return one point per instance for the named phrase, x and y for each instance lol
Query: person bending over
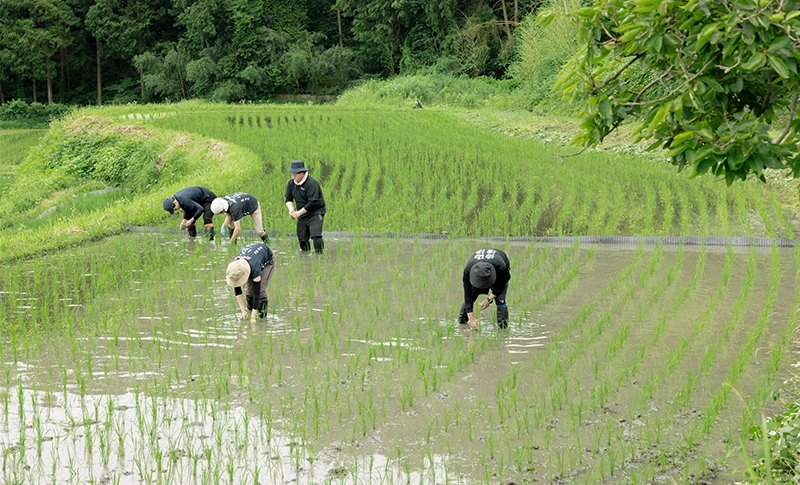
(195, 201)
(236, 206)
(252, 269)
(487, 272)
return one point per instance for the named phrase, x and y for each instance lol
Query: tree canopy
(715, 82)
(231, 50)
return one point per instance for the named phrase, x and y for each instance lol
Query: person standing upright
(195, 201)
(236, 206)
(305, 191)
(487, 272)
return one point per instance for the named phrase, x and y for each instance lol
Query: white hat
(218, 205)
(237, 273)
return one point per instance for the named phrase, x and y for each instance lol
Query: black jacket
(192, 199)
(308, 196)
(502, 268)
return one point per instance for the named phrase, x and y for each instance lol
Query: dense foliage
(31, 114)
(778, 460)
(720, 74)
(81, 51)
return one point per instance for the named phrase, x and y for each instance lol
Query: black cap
(482, 275)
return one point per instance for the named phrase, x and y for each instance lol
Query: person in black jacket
(195, 201)
(303, 190)
(252, 269)
(487, 272)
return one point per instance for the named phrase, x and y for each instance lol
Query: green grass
(15, 147)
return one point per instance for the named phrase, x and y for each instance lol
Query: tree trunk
(69, 87)
(516, 12)
(49, 82)
(99, 81)
(505, 18)
(339, 19)
(62, 61)
(2, 96)
(141, 82)
(34, 90)
(183, 87)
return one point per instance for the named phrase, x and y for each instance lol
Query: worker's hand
(243, 316)
(473, 324)
(485, 304)
(295, 214)
(183, 224)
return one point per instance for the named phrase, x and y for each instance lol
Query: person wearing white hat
(252, 269)
(236, 206)
(487, 272)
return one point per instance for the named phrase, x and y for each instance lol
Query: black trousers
(310, 228)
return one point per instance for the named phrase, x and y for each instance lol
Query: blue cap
(169, 205)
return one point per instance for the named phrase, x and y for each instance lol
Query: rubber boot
(502, 316)
(462, 315)
(305, 246)
(210, 232)
(319, 245)
(262, 311)
(192, 230)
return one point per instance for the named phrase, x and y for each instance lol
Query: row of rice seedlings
(631, 451)
(686, 447)
(579, 409)
(524, 416)
(320, 381)
(16, 144)
(776, 350)
(700, 427)
(381, 149)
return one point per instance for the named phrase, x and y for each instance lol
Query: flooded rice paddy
(124, 362)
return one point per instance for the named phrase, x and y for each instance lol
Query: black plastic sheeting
(627, 240)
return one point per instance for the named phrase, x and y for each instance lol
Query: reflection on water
(135, 438)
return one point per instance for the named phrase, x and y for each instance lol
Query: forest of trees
(119, 51)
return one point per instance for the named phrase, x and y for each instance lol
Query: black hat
(297, 166)
(169, 206)
(482, 275)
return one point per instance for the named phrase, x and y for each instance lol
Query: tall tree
(38, 29)
(121, 28)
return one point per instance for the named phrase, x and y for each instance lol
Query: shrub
(781, 446)
(229, 92)
(33, 114)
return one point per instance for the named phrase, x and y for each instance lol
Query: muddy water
(614, 368)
